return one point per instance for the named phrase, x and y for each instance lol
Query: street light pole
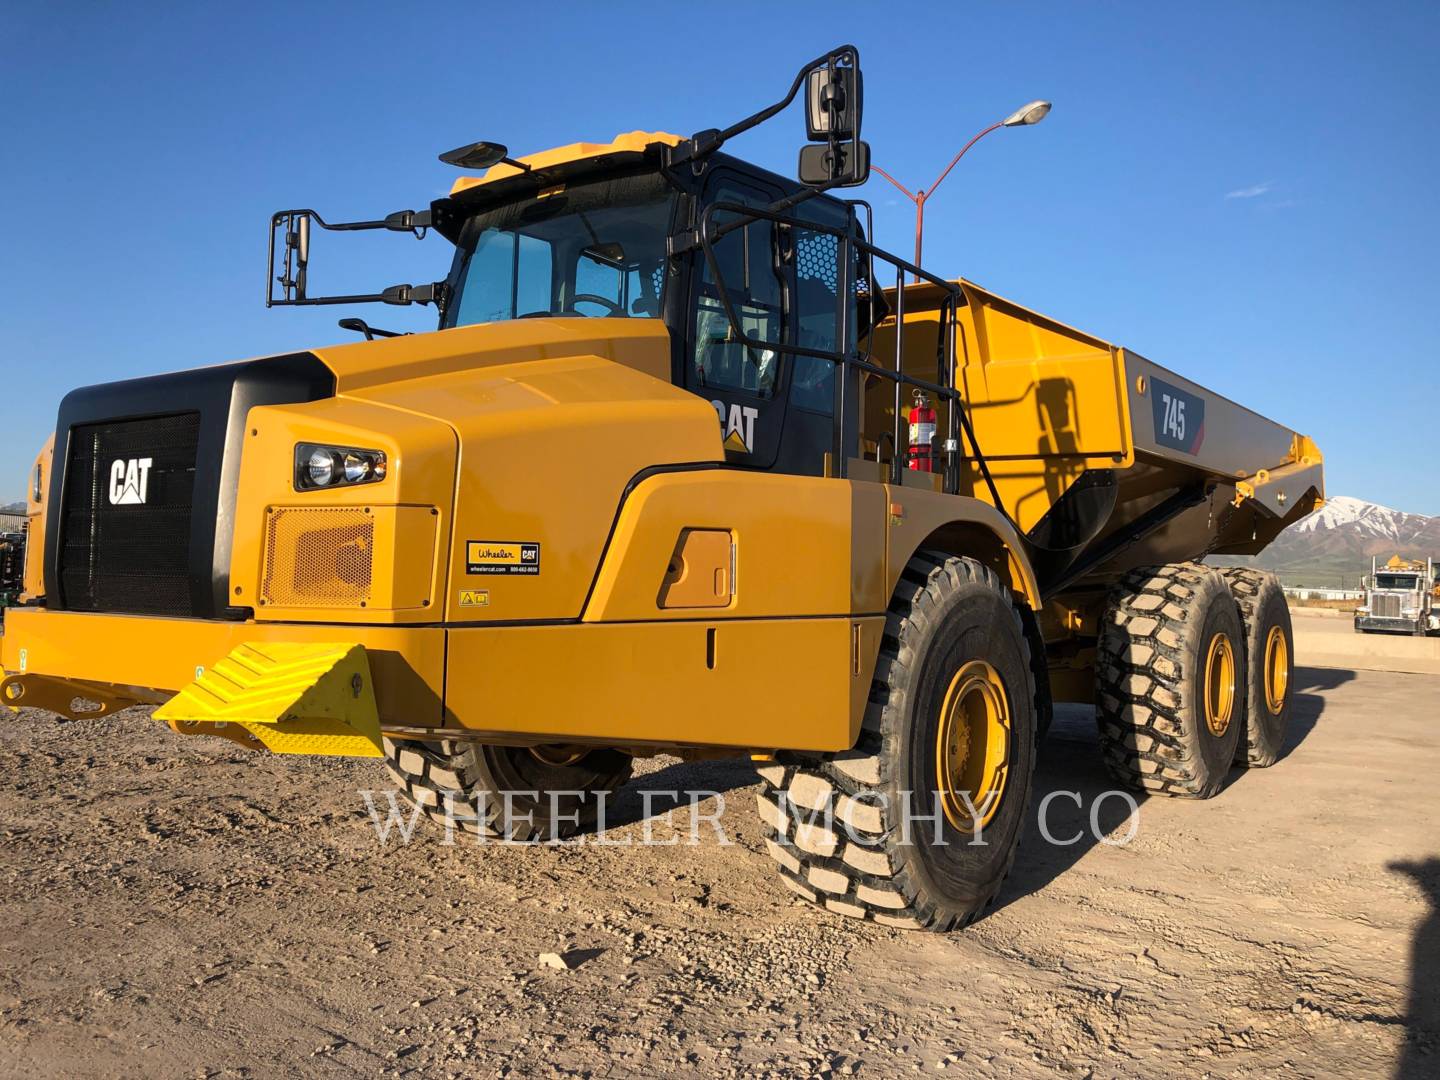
(1024, 116)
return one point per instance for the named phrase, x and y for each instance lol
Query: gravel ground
(177, 907)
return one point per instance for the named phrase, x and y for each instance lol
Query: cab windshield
(1408, 582)
(593, 249)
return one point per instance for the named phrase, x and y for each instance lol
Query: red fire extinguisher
(921, 454)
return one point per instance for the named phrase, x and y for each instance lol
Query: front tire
(884, 831)
(554, 792)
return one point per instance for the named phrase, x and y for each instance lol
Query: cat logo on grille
(129, 481)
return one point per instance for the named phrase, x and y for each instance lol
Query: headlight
(358, 468)
(319, 466)
(35, 484)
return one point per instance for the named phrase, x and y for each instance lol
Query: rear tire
(468, 782)
(1170, 670)
(1270, 660)
(952, 708)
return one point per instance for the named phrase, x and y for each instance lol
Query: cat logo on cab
(737, 426)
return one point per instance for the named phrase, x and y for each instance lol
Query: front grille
(1387, 607)
(125, 532)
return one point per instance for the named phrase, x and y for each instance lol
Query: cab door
(747, 385)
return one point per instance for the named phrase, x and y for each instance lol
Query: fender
(956, 525)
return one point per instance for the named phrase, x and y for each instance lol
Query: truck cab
(610, 232)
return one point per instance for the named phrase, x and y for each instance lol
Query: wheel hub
(972, 746)
(1277, 669)
(1219, 685)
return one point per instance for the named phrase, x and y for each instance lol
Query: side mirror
(290, 237)
(834, 97)
(834, 101)
(481, 155)
(299, 239)
(846, 164)
(294, 225)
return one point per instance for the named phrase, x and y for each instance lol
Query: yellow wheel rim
(1219, 685)
(1277, 669)
(972, 746)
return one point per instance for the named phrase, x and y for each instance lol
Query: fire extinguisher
(921, 454)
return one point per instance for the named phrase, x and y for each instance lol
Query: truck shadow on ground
(1074, 798)
(1420, 1056)
(1076, 802)
(1308, 686)
(655, 794)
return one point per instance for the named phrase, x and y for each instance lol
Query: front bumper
(1386, 622)
(139, 658)
(796, 683)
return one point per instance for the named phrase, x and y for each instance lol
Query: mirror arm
(704, 143)
(416, 221)
(437, 293)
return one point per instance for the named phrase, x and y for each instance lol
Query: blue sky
(1243, 192)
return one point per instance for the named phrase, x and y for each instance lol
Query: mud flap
(290, 697)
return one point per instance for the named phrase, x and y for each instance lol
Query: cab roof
(630, 142)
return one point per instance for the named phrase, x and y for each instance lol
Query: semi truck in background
(1400, 597)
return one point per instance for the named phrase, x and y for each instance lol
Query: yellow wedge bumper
(291, 697)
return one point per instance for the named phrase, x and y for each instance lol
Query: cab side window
(817, 313)
(747, 265)
(817, 266)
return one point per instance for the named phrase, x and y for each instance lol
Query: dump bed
(1105, 459)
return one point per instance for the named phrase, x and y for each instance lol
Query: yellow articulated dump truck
(689, 466)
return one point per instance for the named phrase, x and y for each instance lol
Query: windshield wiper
(360, 326)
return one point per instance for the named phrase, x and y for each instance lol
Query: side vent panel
(318, 557)
(348, 557)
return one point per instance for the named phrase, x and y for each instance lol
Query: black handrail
(957, 418)
(847, 356)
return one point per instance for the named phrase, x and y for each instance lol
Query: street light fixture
(1027, 114)
(1024, 116)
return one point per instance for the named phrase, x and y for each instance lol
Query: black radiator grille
(125, 537)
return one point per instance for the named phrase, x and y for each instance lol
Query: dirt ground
(175, 907)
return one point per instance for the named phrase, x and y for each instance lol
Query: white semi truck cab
(1399, 597)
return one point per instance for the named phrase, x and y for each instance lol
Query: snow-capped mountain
(1365, 519)
(1334, 545)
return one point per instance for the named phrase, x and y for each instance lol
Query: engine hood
(642, 344)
